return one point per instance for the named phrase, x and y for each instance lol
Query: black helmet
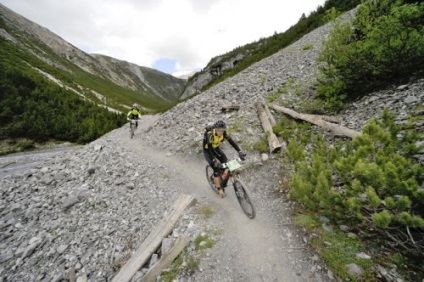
(220, 124)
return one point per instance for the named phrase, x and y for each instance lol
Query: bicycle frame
(233, 167)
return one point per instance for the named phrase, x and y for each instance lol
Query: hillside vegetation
(372, 185)
(53, 91)
(37, 109)
(385, 46)
(265, 47)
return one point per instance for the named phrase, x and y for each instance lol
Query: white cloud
(190, 32)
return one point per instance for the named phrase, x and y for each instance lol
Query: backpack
(207, 129)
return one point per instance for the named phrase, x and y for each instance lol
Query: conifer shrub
(383, 45)
(370, 183)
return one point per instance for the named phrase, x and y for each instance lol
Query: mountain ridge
(143, 83)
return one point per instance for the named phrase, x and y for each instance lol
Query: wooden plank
(166, 259)
(336, 129)
(153, 241)
(273, 142)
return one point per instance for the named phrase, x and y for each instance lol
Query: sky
(174, 36)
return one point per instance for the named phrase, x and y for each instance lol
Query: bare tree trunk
(273, 142)
(336, 129)
(334, 119)
(268, 113)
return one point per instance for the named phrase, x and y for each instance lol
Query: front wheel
(132, 129)
(244, 199)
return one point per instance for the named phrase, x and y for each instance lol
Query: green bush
(34, 108)
(384, 46)
(373, 182)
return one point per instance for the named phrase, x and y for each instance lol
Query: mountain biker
(134, 114)
(212, 152)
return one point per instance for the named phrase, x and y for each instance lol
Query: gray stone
(410, 100)
(264, 157)
(62, 248)
(154, 259)
(98, 147)
(354, 269)
(29, 250)
(166, 245)
(69, 202)
(363, 256)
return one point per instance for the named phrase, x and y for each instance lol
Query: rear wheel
(244, 198)
(209, 177)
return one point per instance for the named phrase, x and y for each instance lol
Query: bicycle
(230, 170)
(132, 126)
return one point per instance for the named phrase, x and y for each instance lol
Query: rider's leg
(216, 176)
(217, 181)
(223, 159)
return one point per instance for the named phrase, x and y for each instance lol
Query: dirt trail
(250, 250)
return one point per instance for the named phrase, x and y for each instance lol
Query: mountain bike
(230, 170)
(132, 126)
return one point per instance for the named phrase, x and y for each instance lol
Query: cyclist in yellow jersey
(134, 114)
(213, 153)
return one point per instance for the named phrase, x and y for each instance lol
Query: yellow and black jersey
(211, 141)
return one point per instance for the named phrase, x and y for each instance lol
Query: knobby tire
(244, 199)
(132, 129)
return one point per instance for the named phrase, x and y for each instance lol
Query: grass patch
(169, 276)
(308, 46)
(203, 241)
(186, 263)
(262, 144)
(15, 146)
(337, 249)
(205, 212)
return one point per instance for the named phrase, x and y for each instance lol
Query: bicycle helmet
(135, 106)
(220, 124)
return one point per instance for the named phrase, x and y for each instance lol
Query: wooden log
(166, 259)
(227, 108)
(336, 129)
(268, 113)
(273, 142)
(152, 242)
(334, 119)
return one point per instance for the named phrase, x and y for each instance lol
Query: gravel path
(267, 248)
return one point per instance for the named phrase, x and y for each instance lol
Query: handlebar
(225, 165)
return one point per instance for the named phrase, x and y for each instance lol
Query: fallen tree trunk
(228, 108)
(268, 113)
(273, 142)
(152, 242)
(334, 119)
(336, 129)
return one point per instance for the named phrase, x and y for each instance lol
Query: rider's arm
(232, 142)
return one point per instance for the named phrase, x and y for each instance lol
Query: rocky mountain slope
(80, 71)
(78, 214)
(286, 78)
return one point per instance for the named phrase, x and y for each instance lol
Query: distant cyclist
(212, 152)
(134, 114)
